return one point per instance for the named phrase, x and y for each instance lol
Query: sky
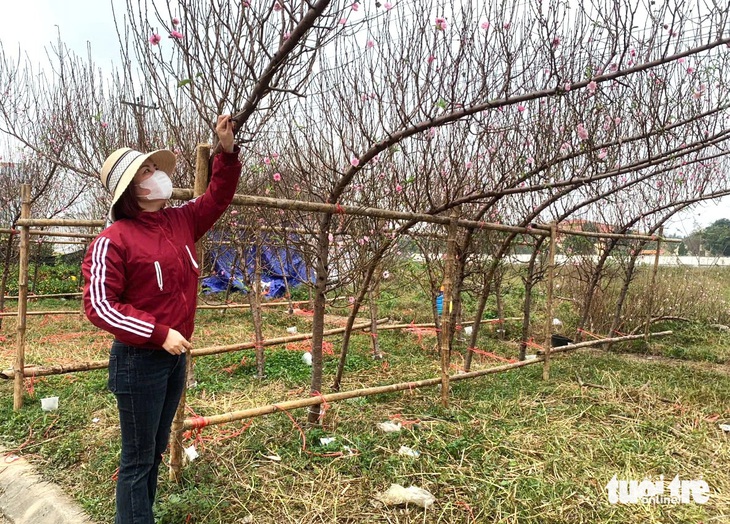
(82, 21)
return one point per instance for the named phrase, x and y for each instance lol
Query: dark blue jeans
(148, 384)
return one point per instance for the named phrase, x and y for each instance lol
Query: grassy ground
(508, 448)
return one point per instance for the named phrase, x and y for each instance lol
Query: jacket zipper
(158, 272)
(192, 259)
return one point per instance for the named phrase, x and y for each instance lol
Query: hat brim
(164, 159)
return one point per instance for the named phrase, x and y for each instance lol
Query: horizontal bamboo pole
(41, 371)
(199, 422)
(29, 313)
(40, 232)
(46, 296)
(320, 207)
(248, 306)
(214, 350)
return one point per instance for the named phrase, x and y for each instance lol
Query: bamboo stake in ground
(445, 338)
(22, 299)
(652, 288)
(549, 303)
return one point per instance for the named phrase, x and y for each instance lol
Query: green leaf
(441, 103)
(184, 82)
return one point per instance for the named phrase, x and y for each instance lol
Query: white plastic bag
(389, 427)
(397, 495)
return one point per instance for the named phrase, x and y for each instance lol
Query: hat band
(120, 166)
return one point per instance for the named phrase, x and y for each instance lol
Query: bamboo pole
(102, 364)
(320, 207)
(248, 306)
(448, 291)
(22, 299)
(49, 295)
(213, 420)
(40, 371)
(32, 313)
(40, 232)
(549, 303)
(652, 288)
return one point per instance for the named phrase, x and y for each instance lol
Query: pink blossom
(617, 120)
(681, 60)
(484, 25)
(521, 108)
(690, 70)
(355, 161)
(286, 35)
(267, 160)
(430, 58)
(234, 212)
(331, 237)
(468, 164)
(175, 21)
(582, 132)
(602, 153)
(567, 86)
(592, 86)
(275, 156)
(246, 3)
(355, 6)
(342, 21)
(556, 42)
(398, 188)
(507, 25)
(176, 34)
(278, 6)
(370, 44)
(565, 147)
(440, 23)
(297, 187)
(105, 124)
(155, 39)
(277, 177)
(351, 300)
(388, 6)
(530, 161)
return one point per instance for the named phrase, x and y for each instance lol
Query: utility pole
(139, 107)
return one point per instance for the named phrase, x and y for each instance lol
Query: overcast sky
(82, 21)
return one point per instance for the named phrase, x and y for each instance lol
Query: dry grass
(509, 448)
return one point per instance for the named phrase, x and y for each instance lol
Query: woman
(141, 285)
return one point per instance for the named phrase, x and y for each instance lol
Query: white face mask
(159, 185)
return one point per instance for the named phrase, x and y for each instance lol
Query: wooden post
(19, 377)
(652, 288)
(202, 176)
(549, 303)
(445, 339)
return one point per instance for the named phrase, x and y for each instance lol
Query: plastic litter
(95, 420)
(468, 330)
(275, 458)
(389, 427)
(49, 404)
(291, 330)
(530, 357)
(724, 427)
(557, 322)
(191, 453)
(409, 452)
(397, 495)
(307, 358)
(326, 440)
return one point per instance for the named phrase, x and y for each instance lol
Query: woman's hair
(127, 205)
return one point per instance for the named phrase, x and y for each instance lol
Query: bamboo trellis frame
(25, 223)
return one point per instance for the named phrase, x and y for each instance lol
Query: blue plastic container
(440, 303)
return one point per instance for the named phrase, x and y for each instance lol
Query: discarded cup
(49, 404)
(291, 330)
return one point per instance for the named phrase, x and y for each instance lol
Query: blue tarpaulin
(276, 263)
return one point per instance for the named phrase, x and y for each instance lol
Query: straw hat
(120, 167)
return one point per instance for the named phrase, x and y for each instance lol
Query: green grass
(508, 448)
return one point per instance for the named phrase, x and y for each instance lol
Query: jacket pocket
(158, 275)
(191, 257)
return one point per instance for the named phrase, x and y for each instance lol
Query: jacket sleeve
(105, 281)
(205, 210)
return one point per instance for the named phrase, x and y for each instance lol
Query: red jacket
(142, 275)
